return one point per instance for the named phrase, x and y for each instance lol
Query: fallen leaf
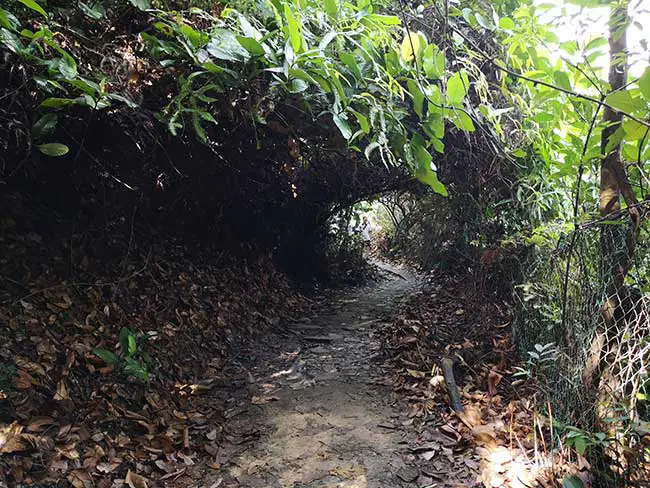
(408, 473)
(30, 367)
(107, 467)
(24, 380)
(37, 423)
(349, 471)
(135, 480)
(10, 439)
(42, 443)
(80, 478)
(255, 400)
(61, 391)
(494, 379)
(162, 465)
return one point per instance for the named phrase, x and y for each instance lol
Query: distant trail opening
(322, 414)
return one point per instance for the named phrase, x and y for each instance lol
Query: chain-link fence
(588, 301)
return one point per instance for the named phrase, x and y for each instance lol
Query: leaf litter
(66, 413)
(492, 442)
(69, 414)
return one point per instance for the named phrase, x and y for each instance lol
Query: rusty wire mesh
(598, 381)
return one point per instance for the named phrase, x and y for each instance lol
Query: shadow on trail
(322, 413)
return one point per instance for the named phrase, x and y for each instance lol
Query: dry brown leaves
(66, 414)
(493, 442)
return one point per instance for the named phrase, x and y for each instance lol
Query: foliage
(438, 90)
(562, 88)
(388, 89)
(132, 359)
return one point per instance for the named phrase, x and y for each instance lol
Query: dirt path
(322, 415)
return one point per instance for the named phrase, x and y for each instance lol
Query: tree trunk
(617, 244)
(616, 252)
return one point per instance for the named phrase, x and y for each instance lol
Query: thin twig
(576, 204)
(616, 214)
(62, 286)
(489, 58)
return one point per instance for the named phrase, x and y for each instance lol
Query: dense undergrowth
(161, 162)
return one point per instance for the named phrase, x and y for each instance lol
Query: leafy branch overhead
(389, 91)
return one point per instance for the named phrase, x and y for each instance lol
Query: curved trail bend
(322, 414)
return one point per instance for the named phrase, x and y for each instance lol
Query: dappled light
(318, 244)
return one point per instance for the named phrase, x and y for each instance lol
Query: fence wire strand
(599, 381)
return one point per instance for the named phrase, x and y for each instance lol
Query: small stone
(408, 473)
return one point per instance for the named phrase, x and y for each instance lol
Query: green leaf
(562, 79)
(34, 6)
(44, 126)
(251, 45)
(295, 34)
(343, 125)
(327, 38)
(436, 124)
(106, 355)
(95, 10)
(569, 46)
(127, 342)
(644, 84)
(633, 130)
(385, 19)
(457, 87)
(590, 3)
(87, 86)
(141, 4)
(622, 100)
(572, 481)
(418, 97)
(8, 20)
(506, 23)
(331, 8)
(469, 16)
(362, 120)
(297, 85)
(67, 67)
(596, 43)
(349, 61)
(128, 102)
(615, 139)
(483, 22)
(198, 128)
(439, 146)
(225, 46)
(248, 29)
(433, 62)
(11, 41)
(423, 172)
(580, 444)
(544, 117)
(463, 121)
(57, 102)
(134, 368)
(53, 149)
(551, 37)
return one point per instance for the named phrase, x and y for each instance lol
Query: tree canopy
(512, 132)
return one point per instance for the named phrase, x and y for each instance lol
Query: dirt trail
(322, 415)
